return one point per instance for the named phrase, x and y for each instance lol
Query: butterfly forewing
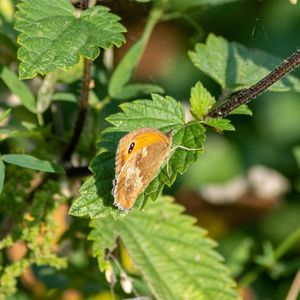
(140, 155)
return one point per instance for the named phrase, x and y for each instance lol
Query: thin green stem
(287, 244)
(282, 249)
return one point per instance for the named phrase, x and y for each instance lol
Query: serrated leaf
(91, 204)
(235, 67)
(4, 115)
(175, 258)
(201, 101)
(242, 110)
(220, 124)
(180, 5)
(2, 174)
(31, 162)
(17, 87)
(162, 113)
(54, 34)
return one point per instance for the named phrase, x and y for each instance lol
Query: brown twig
(66, 156)
(250, 93)
(82, 112)
(295, 288)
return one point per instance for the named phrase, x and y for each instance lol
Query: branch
(253, 91)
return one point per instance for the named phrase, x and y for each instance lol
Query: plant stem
(295, 288)
(246, 95)
(283, 248)
(82, 112)
(287, 244)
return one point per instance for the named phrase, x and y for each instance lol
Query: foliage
(162, 113)
(235, 67)
(155, 250)
(53, 35)
(176, 262)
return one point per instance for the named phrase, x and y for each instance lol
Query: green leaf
(67, 97)
(137, 89)
(242, 110)
(118, 86)
(220, 124)
(31, 162)
(125, 68)
(235, 67)
(5, 115)
(174, 256)
(201, 101)
(162, 113)
(240, 256)
(54, 34)
(180, 5)
(18, 88)
(2, 174)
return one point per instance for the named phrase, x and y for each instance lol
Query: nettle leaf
(162, 113)
(235, 67)
(175, 258)
(220, 124)
(201, 101)
(31, 162)
(242, 110)
(54, 34)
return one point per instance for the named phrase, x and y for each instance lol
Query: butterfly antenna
(187, 149)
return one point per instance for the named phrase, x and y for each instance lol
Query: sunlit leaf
(242, 110)
(220, 124)
(176, 259)
(31, 162)
(201, 101)
(54, 34)
(235, 67)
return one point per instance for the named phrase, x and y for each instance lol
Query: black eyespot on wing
(131, 147)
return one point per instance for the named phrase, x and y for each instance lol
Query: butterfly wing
(137, 170)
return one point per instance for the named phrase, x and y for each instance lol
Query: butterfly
(140, 154)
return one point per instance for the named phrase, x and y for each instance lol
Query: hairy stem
(253, 91)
